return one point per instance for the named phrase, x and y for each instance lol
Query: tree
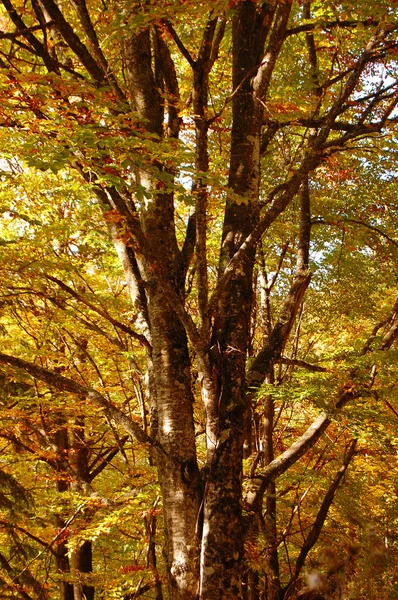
(118, 93)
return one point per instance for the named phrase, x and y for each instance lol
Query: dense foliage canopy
(198, 293)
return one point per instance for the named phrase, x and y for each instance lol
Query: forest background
(198, 299)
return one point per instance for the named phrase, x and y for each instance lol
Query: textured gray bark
(170, 384)
(222, 542)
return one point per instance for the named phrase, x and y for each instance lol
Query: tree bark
(172, 414)
(61, 548)
(222, 542)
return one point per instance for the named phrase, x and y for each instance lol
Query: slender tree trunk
(61, 549)
(85, 565)
(63, 567)
(273, 579)
(82, 563)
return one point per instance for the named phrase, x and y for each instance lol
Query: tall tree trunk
(222, 544)
(170, 385)
(61, 549)
(82, 557)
